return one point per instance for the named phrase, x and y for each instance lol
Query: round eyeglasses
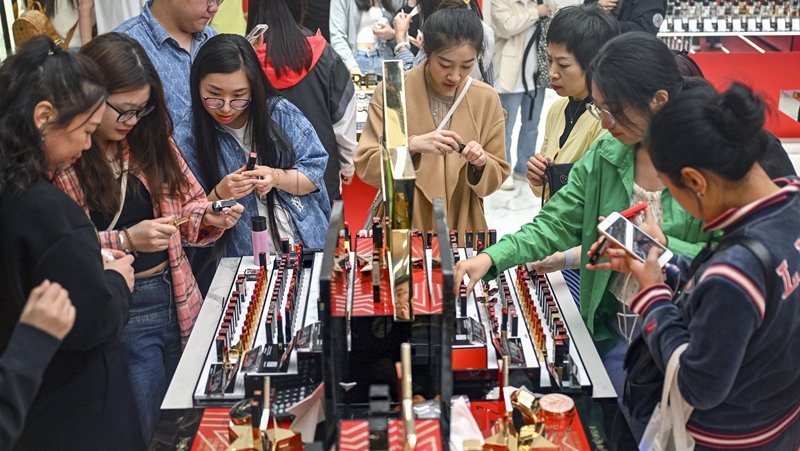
(127, 115)
(600, 113)
(210, 3)
(216, 102)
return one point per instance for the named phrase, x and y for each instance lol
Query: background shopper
(361, 32)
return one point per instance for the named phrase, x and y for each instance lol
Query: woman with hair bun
(632, 77)
(740, 319)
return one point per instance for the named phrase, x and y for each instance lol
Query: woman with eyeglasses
(236, 114)
(614, 174)
(133, 183)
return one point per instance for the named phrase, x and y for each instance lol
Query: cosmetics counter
(303, 319)
(369, 344)
(688, 19)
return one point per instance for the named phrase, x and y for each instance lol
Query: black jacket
(640, 15)
(84, 401)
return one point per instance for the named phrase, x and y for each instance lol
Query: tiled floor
(507, 211)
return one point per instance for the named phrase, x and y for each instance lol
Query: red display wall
(767, 74)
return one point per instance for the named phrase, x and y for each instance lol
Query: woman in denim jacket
(228, 124)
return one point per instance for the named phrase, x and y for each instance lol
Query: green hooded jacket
(601, 182)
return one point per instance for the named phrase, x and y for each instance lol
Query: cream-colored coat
(511, 21)
(478, 118)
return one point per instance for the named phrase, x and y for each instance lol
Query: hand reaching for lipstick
(437, 142)
(234, 185)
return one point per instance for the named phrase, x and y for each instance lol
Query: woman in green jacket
(632, 76)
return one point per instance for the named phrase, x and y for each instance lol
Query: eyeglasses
(127, 115)
(215, 103)
(600, 113)
(210, 3)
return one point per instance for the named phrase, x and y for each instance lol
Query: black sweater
(84, 400)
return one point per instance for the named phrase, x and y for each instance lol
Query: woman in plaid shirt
(112, 182)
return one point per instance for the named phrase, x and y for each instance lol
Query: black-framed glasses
(127, 115)
(210, 3)
(216, 103)
(600, 113)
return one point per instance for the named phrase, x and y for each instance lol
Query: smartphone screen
(632, 238)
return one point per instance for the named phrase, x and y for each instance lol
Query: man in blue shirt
(171, 32)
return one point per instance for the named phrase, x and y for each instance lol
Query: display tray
(291, 289)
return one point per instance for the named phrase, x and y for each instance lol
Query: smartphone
(256, 32)
(624, 233)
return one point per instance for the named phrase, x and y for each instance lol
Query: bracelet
(130, 241)
(217, 193)
(401, 45)
(569, 259)
(277, 176)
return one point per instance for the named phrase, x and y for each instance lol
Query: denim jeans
(371, 61)
(528, 132)
(151, 346)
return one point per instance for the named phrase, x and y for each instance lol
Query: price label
(781, 24)
(751, 24)
(708, 25)
(693, 25)
(677, 25)
(736, 25)
(765, 25)
(795, 24)
(721, 25)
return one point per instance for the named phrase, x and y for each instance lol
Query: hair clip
(683, 52)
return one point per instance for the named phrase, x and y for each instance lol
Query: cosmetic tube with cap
(260, 236)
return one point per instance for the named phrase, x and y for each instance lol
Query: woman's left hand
(475, 154)
(264, 178)
(225, 219)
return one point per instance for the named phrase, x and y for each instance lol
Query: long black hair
(721, 133)
(127, 67)
(286, 45)
(226, 54)
(40, 71)
(629, 69)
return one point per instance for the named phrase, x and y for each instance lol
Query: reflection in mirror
(402, 293)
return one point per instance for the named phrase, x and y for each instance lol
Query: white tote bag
(666, 430)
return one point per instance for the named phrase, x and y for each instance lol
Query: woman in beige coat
(453, 41)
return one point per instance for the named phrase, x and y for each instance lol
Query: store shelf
(789, 105)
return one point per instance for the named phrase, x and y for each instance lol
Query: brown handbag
(34, 22)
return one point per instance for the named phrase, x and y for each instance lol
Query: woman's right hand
(536, 166)
(437, 142)
(122, 264)
(235, 185)
(475, 267)
(151, 235)
(402, 22)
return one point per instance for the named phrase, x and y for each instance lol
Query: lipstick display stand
(379, 314)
